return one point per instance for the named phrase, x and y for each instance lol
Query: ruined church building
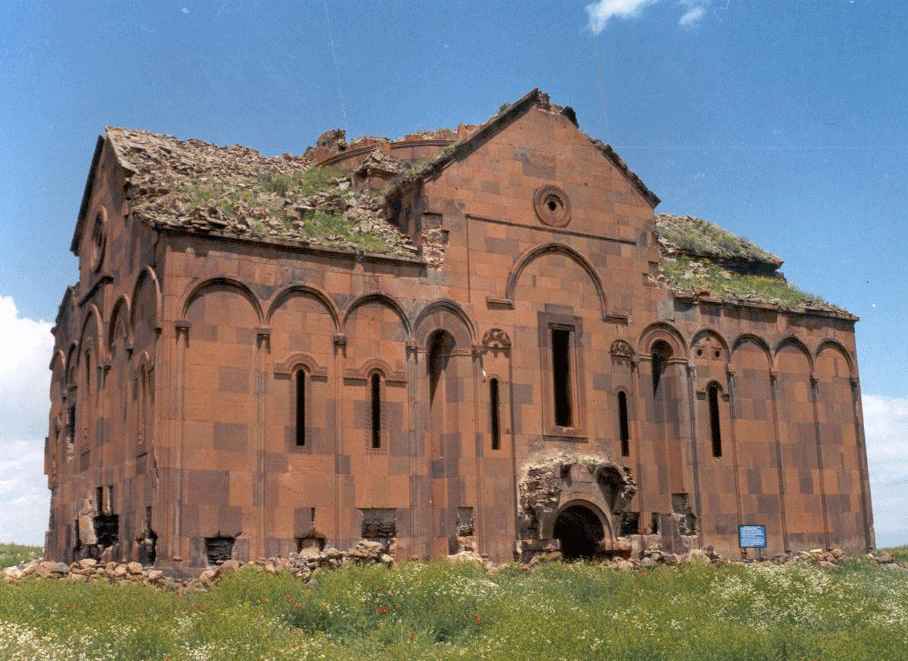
(481, 338)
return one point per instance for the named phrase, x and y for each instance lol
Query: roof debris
(235, 191)
(704, 261)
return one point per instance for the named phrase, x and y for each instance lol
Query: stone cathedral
(482, 338)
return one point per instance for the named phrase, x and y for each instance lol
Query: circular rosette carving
(553, 207)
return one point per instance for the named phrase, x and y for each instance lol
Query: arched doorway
(580, 532)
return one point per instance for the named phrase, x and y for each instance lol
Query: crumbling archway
(579, 531)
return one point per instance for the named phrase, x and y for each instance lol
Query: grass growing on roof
(447, 611)
(691, 275)
(696, 236)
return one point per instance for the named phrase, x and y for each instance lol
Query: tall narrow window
(715, 430)
(72, 423)
(623, 427)
(561, 376)
(494, 414)
(661, 352)
(301, 408)
(376, 411)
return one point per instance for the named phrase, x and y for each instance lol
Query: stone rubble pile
(236, 191)
(307, 562)
(302, 565)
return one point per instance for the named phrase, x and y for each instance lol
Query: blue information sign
(752, 537)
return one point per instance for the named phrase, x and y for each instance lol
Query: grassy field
(13, 554)
(446, 611)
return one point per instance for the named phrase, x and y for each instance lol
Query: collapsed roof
(704, 261)
(236, 192)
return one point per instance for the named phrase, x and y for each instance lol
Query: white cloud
(694, 11)
(25, 350)
(23, 493)
(602, 11)
(886, 429)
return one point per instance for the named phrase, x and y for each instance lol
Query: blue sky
(782, 121)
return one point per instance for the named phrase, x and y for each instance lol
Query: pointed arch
(304, 290)
(72, 361)
(710, 332)
(831, 344)
(382, 299)
(147, 273)
(750, 338)
(93, 314)
(555, 248)
(444, 305)
(223, 282)
(121, 313)
(794, 341)
(662, 330)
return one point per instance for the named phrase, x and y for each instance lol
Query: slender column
(479, 447)
(637, 436)
(181, 340)
(415, 506)
(691, 372)
(263, 348)
(733, 416)
(814, 397)
(513, 418)
(340, 349)
(776, 423)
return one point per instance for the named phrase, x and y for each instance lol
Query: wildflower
(383, 610)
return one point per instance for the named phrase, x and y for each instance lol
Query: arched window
(624, 432)
(301, 408)
(375, 386)
(714, 422)
(661, 352)
(494, 414)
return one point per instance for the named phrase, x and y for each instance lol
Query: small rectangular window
(301, 408)
(376, 411)
(494, 414)
(561, 376)
(99, 500)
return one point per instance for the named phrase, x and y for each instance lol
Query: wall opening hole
(219, 549)
(580, 532)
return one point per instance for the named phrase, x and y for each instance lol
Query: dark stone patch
(230, 436)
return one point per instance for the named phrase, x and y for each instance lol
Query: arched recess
(793, 342)
(830, 344)
(664, 331)
(715, 340)
(119, 344)
(447, 315)
(581, 528)
(382, 299)
(841, 446)
(304, 290)
(57, 389)
(223, 283)
(72, 362)
(147, 277)
(120, 321)
(755, 341)
(555, 248)
(800, 453)
(93, 329)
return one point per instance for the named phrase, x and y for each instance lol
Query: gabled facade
(466, 339)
